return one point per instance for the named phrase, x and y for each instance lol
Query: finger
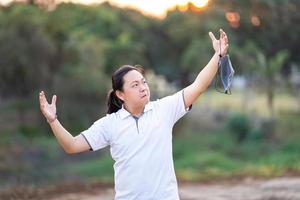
(224, 41)
(224, 32)
(221, 33)
(224, 35)
(212, 36)
(42, 105)
(226, 47)
(43, 99)
(223, 38)
(226, 38)
(54, 100)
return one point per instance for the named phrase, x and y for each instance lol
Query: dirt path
(276, 189)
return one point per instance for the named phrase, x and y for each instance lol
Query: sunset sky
(156, 8)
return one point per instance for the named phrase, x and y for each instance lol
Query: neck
(134, 110)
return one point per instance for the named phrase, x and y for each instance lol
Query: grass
(202, 150)
(214, 154)
(100, 169)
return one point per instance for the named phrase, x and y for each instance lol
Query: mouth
(144, 96)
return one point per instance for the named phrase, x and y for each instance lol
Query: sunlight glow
(233, 18)
(196, 5)
(200, 3)
(255, 20)
(156, 8)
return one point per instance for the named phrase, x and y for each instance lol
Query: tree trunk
(270, 95)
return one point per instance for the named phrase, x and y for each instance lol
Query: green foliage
(255, 134)
(29, 130)
(240, 126)
(243, 128)
(97, 169)
(196, 55)
(273, 66)
(216, 154)
(204, 155)
(25, 51)
(72, 50)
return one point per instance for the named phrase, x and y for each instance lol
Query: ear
(120, 95)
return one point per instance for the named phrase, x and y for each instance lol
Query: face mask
(226, 73)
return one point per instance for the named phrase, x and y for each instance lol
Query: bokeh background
(71, 50)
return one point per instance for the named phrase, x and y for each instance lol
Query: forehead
(132, 75)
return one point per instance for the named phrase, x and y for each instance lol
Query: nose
(142, 87)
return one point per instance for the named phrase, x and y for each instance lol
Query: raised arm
(206, 75)
(69, 143)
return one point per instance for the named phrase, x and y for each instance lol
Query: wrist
(52, 120)
(218, 55)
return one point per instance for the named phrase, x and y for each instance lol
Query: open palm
(220, 45)
(48, 110)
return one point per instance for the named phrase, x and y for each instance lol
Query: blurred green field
(213, 155)
(204, 147)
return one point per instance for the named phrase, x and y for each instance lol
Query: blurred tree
(177, 47)
(183, 29)
(258, 67)
(127, 45)
(269, 68)
(267, 23)
(83, 82)
(189, 47)
(25, 53)
(195, 57)
(270, 27)
(180, 30)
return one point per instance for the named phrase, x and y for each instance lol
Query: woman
(139, 132)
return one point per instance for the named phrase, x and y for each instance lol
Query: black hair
(113, 102)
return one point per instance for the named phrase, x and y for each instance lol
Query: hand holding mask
(225, 71)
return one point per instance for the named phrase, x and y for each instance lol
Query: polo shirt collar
(124, 113)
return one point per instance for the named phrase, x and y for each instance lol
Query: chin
(144, 101)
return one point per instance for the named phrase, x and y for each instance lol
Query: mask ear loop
(220, 55)
(219, 66)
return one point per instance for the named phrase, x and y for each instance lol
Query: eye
(134, 85)
(145, 82)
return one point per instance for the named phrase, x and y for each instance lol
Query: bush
(267, 127)
(255, 134)
(29, 130)
(239, 125)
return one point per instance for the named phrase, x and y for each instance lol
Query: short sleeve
(173, 107)
(97, 135)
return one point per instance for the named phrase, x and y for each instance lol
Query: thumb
(54, 100)
(212, 36)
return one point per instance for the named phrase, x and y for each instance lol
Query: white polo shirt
(141, 148)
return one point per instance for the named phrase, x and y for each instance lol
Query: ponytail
(113, 102)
